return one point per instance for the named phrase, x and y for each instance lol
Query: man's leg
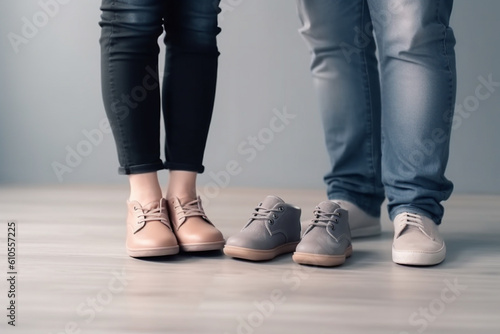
(418, 83)
(345, 75)
(417, 62)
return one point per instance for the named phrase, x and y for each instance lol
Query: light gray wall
(50, 95)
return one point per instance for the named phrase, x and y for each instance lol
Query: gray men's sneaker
(361, 223)
(417, 241)
(273, 229)
(327, 240)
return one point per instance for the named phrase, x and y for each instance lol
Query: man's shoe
(327, 240)
(194, 231)
(273, 229)
(417, 241)
(361, 223)
(148, 230)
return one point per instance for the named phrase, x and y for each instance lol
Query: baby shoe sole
(321, 259)
(259, 254)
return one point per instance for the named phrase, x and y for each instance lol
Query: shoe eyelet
(271, 222)
(281, 208)
(135, 208)
(275, 216)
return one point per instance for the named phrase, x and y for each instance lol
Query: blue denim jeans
(131, 81)
(385, 76)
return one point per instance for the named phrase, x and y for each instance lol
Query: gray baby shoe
(273, 229)
(327, 240)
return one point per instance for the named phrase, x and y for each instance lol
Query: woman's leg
(188, 100)
(181, 184)
(129, 68)
(188, 89)
(190, 80)
(130, 85)
(144, 187)
(129, 53)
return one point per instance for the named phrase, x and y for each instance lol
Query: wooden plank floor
(74, 275)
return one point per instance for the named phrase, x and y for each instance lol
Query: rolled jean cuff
(141, 169)
(184, 167)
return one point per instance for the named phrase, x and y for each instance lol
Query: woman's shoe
(149, 232)
(194, 231)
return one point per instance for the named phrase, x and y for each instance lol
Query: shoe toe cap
(199, 233)
(153, 235)
(259, 241)
(245, 241)
(322, 244)
(418, 243)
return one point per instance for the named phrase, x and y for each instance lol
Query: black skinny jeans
(131, 87)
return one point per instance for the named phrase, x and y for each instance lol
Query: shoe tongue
(328, 206)
(151, 206)
(270, 202)
(186, 200)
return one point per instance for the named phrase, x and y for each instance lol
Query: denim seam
(369, 105)
(123, 139)
(450, 74)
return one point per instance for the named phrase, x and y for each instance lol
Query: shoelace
(190, 209)
(261, 213)
(412, 220)
(323, 218)
(151, 215)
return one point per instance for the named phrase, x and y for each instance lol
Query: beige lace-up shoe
(417, 241)
(194, 231)
(148, 230)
